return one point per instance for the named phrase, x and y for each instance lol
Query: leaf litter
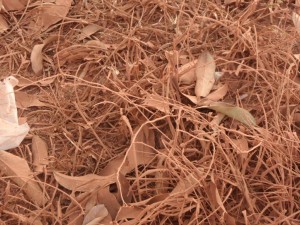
(130, 119)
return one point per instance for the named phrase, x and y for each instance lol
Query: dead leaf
(24, 82)
(216, 121)
(192, 98)
(84, 202)
(14, 4)
(205, 78)
(186, 184)
(215, 96)
(47, 14)
(84, 183)
(228, 2)
(297, 56)
(113, 165)
(234, 112)
(214, 196)
(109, 200)
(95, 215)
(46, 81)
(241, 146)
(19, 171)
(140, 151)
(125, 188)
(157, 102)
(88, 200)
(36, 58)
(187, 73)
(97, 43)
(40, 153)
(88, 31)
(296, 117)
(3, 24)
(296, 21)
(229, 220)
(128, 212)
(24, 100)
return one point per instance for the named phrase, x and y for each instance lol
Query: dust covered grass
(113, 107)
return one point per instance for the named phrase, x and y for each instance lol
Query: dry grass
(95, 103)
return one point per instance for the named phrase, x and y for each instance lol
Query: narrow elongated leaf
(84, 183)
(36, 58)
(296, 21)
(88, 31)
(205, 74)
(234, 112)
(19, 171)
(3, 24)
(40, 153)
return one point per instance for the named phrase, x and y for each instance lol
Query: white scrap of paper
(11, 133)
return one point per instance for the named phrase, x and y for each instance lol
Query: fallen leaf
(128, 212)
(47, 14)
(24, 82)
(36, 58)
(97, 43)
(14, 4)
(227, 2)
(241, 146)
(186, 184)
(84, 183)
(205, 78)
(40, 153)
(126, 194)
(113, 165)
(19, 171)
(214, 196)
(95, 215)
(87, 200)
(187, 72)
(141, 151)
(215, 95)
(88, 31)
(84, 202)
(234, 112)
(192, 98)
(296, 21)
(296, 117)
(134, 213)
(109, 200)
(229, 220)
(46, 81)
(3, 24)
(157, 102)
(216, 121)
(297, 56)
(25, 100)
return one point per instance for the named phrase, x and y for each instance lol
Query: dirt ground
(153, 112)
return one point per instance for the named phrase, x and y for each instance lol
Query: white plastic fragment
(11, 133)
